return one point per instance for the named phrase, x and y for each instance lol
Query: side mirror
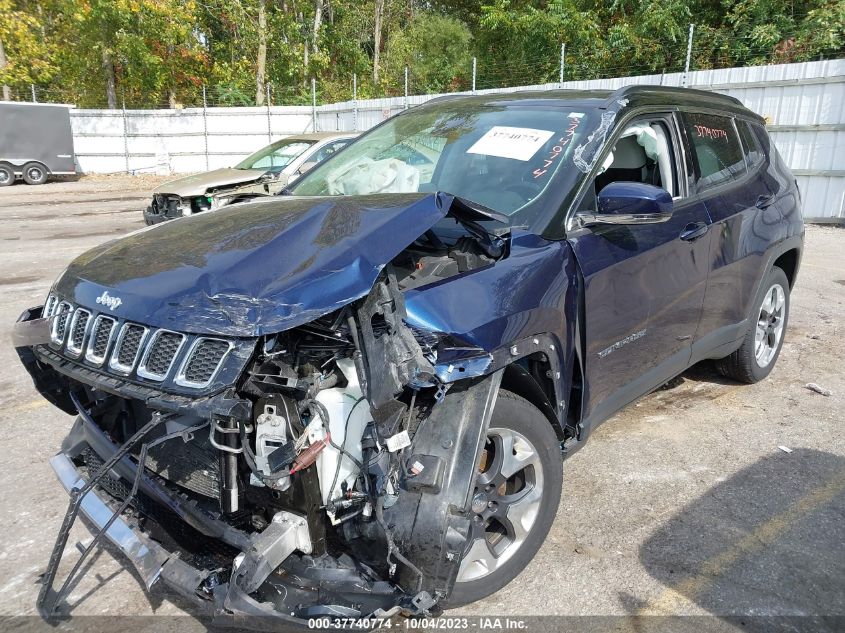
(629, 203)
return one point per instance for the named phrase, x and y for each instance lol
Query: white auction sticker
(398, 442)
(520, 143)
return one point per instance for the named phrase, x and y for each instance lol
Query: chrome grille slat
(100, 338)
(63, 313)
(78, 330)
(160, 354)
(50, 305)
(202, 362)
(128, 348)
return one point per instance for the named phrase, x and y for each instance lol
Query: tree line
(148, 53)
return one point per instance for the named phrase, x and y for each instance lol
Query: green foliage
(519, 38)
(229, 94)
(436, 50)
(161, 52)
(27, 57)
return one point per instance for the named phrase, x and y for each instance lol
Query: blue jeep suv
(352, 399)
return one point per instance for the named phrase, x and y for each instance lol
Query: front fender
(491, 317)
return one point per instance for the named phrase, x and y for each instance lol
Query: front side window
(275, 156)
(716, 147)
(501, 156)
(643, 153)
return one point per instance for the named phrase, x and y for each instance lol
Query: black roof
(636, 95)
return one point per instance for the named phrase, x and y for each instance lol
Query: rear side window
(718, 152)
(753, 153)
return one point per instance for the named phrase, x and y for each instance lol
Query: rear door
(729, 178)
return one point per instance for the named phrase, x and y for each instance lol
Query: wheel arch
(519, 379)
(787, 251)
(40, 164)
(788, 263)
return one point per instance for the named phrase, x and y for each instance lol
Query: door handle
(693, 231)
(764, 201)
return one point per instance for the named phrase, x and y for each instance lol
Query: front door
(643, 284)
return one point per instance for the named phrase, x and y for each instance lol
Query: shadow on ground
(763, 550)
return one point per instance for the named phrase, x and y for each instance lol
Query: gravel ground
(683, 504)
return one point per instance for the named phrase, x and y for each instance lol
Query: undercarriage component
(286, 534)
(393, 358)
(431, 522)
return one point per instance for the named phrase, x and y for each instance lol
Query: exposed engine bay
(331, 478)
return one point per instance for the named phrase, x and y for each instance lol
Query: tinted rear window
(717, 148)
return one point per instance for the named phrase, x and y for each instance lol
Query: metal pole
(32, 86)
(205, 125)
(314, 104)
(354, 102)
(269, 130)
(406, 87)
(689, 55)
(562, 61)
(473, 74)
(125, 137)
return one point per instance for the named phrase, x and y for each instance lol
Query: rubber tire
(35, 181)
(516, 413)
(6, 168)
(742, 364)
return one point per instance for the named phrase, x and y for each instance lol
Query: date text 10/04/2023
(447, 623)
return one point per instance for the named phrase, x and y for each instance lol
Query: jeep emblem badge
(112, 303)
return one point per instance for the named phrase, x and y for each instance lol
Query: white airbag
(375, 176)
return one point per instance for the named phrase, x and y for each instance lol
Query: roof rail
(642, 89)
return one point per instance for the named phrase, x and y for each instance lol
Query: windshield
(275, 156)
(499, 156)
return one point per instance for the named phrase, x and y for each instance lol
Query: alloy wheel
(505, 502)
(770, 324)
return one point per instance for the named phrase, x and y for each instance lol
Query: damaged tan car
(263, 173)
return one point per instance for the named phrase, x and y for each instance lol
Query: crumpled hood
(252, 269)
(198, 184)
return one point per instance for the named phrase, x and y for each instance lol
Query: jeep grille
(133, 349)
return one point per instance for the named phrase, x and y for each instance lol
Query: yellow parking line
(669, 602)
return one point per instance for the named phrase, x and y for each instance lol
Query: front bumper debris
(226, 598)
(150, 559)
(224, 603)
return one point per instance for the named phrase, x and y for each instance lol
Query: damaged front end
(315, 461)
